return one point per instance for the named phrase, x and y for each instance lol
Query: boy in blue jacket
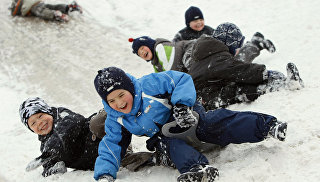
(163, 107)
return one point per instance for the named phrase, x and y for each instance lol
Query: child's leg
(41, 10)
(247, 53)
(178, 152)
(60, 7)
(96, 124)
(223, 126)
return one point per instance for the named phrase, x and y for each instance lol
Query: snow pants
(220, 127)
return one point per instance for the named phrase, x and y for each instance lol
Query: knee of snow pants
(181, 154)
(223, 126)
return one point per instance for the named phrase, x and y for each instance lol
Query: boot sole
(205, 175)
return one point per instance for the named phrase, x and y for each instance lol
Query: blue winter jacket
(148, 111)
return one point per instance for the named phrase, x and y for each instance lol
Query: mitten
(183, 115)
(106, 178)
(137, 160)
(59, 167)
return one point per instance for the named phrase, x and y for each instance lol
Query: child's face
(145, 53)
(41, 123)
(197, 25)
(120, 100)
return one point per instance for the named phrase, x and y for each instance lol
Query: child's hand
(59, 167)
(59, 16)
(183, 115)
(106, 178)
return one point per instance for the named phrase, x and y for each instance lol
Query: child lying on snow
(66, 140)
(220, 78)
(39, 9)
(163, 107)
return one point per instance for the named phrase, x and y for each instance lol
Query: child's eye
(111, 101)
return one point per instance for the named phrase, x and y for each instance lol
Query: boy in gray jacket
(58, 12)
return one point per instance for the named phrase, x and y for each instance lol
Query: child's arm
(112, 149)
(165, 54)
(177, 38)
(179, 85)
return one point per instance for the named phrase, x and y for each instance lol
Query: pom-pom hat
(142, 41)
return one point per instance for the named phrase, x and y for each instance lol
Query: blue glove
(183, 116)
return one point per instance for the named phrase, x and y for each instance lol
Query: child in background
(146, 106)
(228, 33)
(195, 26)
(39, 9)
(66, 141)
(220, 78)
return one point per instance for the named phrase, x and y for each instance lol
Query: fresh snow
(58, 62)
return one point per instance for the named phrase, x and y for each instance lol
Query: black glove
(59, 167)
(183, 115)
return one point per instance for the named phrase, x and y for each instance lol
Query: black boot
(199, 173)
(294, 82)
(278, 130)
(261, 43)
(74, 7)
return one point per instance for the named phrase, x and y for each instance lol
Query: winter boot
(278, 130)
(293, 82)
(74, 7)
(261, 43)
(59, 16)
(199, 173)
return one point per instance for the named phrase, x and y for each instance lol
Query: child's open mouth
(124, 107)
(44, 127)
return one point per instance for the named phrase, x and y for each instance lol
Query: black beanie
(192, 13)
(142, 41)
(33, 106)
(110, 79)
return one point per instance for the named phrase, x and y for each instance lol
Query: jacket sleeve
(177, 38)
(111, 149)
(179, 85)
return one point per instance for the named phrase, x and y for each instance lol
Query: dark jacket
(69, 141)
(219, 78)
(188, 34)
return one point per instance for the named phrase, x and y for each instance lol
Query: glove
(135, 161)
(106, 178)
(59, 167)
(183, 116)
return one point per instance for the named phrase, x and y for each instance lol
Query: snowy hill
(58, 61)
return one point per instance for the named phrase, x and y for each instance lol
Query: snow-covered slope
(58, 61)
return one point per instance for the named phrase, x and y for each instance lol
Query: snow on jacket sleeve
(179, 85)
(111, 149)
